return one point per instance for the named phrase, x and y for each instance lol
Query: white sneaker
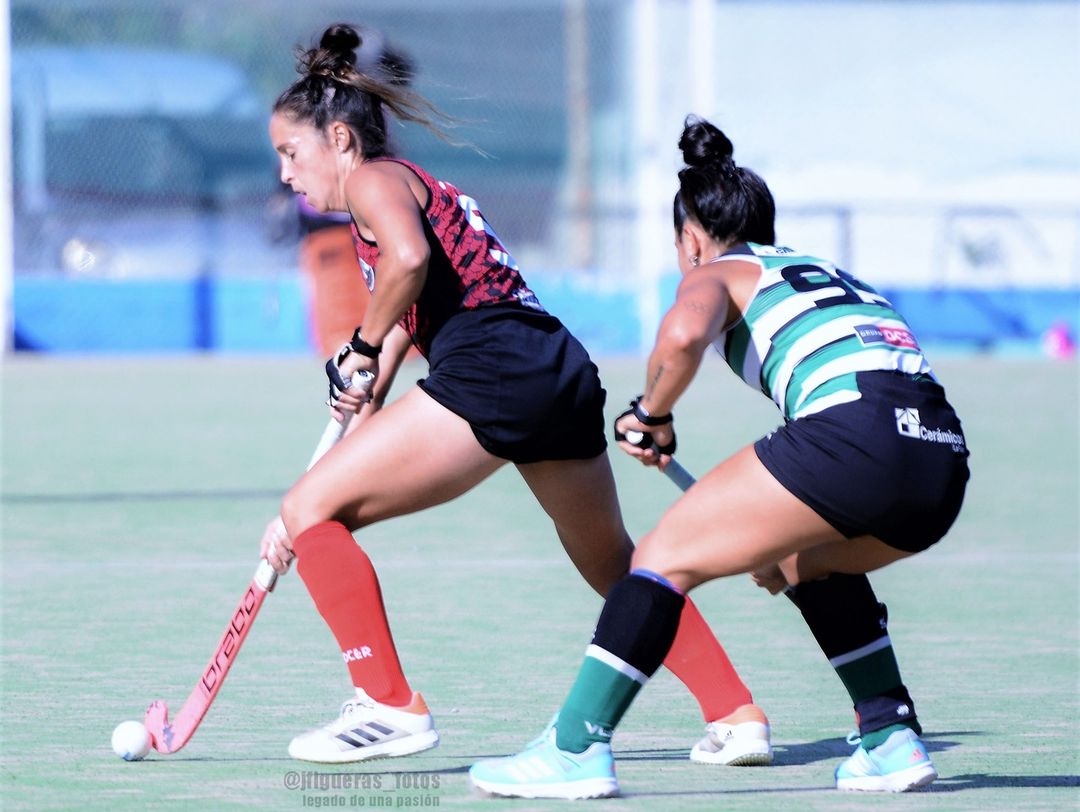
(738, 740)
(369, 729)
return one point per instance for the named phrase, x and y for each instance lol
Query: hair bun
(704, 144)
(335, 54)
(342, 40)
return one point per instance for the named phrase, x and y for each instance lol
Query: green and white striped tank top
(809, 328)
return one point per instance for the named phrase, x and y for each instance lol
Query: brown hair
(332, 88)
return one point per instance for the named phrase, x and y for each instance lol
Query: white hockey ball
(131, 741)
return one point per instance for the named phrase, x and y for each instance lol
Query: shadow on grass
(791, 755)
(827, 748)
(959, 783)
(955, 783)
(832, 749)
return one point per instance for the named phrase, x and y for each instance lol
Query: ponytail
(333, 88)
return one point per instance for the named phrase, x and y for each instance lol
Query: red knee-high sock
(697, 658)
(345, 588)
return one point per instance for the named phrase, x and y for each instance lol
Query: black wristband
(360, 346)
(647, 419)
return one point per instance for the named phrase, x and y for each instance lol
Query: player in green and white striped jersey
(809, 328)
(869, 467)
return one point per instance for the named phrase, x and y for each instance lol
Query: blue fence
(229, 314)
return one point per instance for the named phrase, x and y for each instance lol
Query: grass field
(135, 492)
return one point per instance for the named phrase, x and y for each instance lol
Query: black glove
(645, 440)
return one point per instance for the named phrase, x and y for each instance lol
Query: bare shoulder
(384, 182)
(739, 277)
(377, 176)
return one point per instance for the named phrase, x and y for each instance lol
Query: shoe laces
(543, 737)
(361, 700)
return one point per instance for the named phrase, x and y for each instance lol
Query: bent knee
(655, 554)
(301, 509)
(601, 559)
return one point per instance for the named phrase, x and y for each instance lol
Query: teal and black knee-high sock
(851, 627)
(632, 637)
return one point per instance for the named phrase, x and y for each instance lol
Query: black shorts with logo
(522, 381)
(892, 464)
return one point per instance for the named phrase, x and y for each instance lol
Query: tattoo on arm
(651, 386)
(696, 306)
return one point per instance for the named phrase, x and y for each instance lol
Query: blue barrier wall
(60, 314)
(258, 314)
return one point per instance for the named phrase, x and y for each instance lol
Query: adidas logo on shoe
(741, 739)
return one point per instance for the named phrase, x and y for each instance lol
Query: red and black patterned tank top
(468, 268)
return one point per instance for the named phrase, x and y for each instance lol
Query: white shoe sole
(911, 778)
(405, 746)
(570, 791)
(752, 753)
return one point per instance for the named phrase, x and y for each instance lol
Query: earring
(694, 260)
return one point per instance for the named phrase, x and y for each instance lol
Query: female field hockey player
(869, 467)
(506, 383)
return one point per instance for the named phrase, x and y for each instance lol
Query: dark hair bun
(703, 144)
(335, 56)
(342, 41)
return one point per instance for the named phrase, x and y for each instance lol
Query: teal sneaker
(897, 765)
(542, 770)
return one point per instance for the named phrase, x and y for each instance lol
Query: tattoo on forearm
(651, 387)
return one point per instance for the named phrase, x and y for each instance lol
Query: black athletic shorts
(892, 464)
(522, 381)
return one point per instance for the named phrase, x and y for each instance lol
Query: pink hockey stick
(168, 737)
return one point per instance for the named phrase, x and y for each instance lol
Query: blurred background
(930, 148)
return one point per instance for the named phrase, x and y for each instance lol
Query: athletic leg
(580, 498)
(742, 520)
(850, 626)
(573, 759)
(737, 519)
(593, 535)
(411, 455)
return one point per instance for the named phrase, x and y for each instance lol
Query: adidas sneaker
(898, 764)
(740, 739)
(368, 729)
(542, 770)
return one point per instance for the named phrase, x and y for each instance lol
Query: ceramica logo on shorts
(909, 424)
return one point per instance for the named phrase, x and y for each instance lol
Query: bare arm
(693, 322)
(383, 201)
(696, 319)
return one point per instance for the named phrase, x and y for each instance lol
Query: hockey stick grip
(334, 430)
(674, 470)
(679, 475)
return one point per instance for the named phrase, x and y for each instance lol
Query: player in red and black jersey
(506, 383)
